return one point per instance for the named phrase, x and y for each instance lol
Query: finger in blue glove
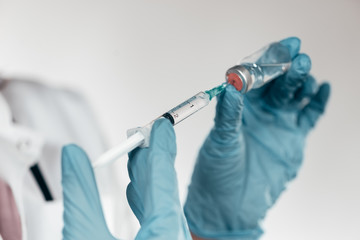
(153, 191)
(310, 114)
(284, 88)
(83, 215)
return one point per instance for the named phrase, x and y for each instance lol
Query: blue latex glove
(83, 215)
(153, 192)
(254, 149)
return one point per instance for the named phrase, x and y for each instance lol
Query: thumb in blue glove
(83, 215)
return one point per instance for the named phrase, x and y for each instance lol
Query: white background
(134, 60)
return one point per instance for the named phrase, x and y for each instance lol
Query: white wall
(136, 59)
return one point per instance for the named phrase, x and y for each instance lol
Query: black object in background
(35, 170)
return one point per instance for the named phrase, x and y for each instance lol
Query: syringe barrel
(140, 137)
(187, 108)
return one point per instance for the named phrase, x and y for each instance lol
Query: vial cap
(235, 80)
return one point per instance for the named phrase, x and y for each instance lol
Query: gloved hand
(83, 215)
(254, 149)
(153, 191)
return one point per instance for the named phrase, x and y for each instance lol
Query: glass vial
(260, 67)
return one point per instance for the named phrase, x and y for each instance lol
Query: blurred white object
(61, 117)
(5, 116)
(19, 148)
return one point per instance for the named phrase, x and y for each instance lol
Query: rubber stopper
(235, 80)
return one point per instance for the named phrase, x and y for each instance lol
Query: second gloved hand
(254, 149)
(153, 192)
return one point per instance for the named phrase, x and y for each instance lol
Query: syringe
(139, 137)
(252, 72)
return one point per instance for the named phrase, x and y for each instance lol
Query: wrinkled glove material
(254, 149)
(153, 192)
